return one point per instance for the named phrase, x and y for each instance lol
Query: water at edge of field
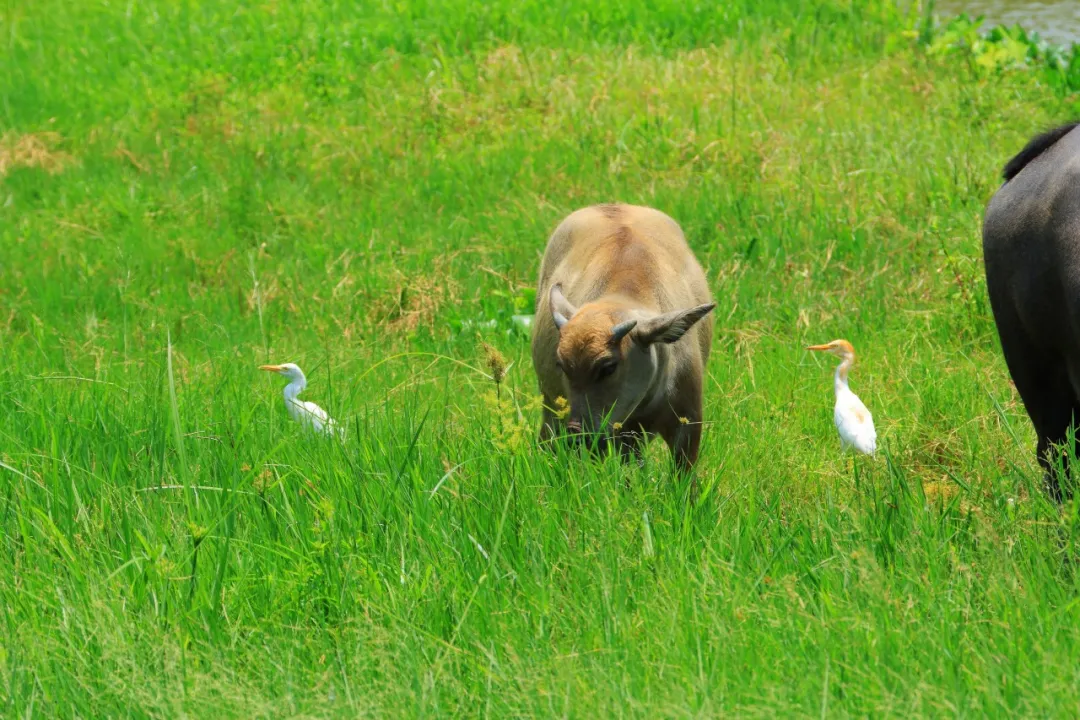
(1056, 21)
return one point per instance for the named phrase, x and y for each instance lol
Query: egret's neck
(295, 388)
(840, 383)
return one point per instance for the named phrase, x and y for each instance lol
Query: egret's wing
(310, 414)
(855, 424)
(315, 412)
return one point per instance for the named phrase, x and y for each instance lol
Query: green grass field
(190, 189)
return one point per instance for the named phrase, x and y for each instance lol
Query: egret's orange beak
(819, 347)
(270, 368)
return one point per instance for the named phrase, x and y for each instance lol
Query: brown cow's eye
(606, 369)
(560, 367)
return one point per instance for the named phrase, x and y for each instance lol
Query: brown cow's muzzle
(580, 435)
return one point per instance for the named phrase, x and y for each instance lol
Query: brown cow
(623, 330)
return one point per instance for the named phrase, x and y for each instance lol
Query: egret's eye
(605, 370)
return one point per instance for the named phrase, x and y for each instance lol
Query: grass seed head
(495, 361)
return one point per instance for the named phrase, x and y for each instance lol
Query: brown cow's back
(627, 250)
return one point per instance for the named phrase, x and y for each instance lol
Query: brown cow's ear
(669, 327)
(561, 309)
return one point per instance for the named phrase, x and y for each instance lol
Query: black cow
(1031, 248)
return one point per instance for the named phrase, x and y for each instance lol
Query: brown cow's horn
(619, 331)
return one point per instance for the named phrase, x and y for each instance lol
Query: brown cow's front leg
(684, 441)
(682, 429)
(549, 423)
(631, 444)
(682, 433)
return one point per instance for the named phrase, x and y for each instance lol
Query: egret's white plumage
(853, 420)
(308, 414)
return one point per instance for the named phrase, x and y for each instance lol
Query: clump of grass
(511, 414)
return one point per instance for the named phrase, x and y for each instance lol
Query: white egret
(308, 414)
(853, 420)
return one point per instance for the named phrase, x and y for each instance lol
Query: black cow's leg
(1042, 378)
(1048, 397)
(1052, 428)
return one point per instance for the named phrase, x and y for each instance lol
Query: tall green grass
(192, 189)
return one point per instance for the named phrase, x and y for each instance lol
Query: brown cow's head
(608, 356)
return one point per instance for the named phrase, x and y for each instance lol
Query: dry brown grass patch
(32, 150)
(415, 301)
(939, 491)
